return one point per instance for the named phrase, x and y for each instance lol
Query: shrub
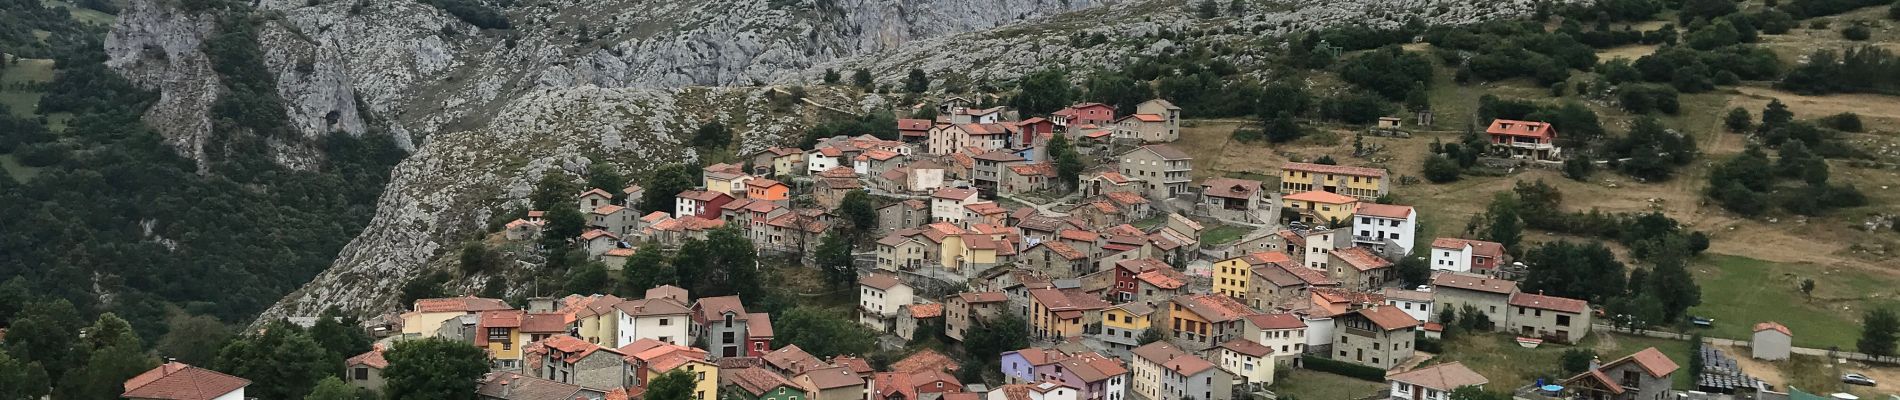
(1845, 122)
(1441, 169)
(1647, 98)
(1856, 32)
(1344, 368)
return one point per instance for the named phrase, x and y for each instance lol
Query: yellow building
(653, 358)
(726, 178)
(1317, 207)
(1124, 324)
(1363, 183)
(1203, 320)
(1231, 275)
(593, 318)
(1057, 313)
(499, 332)
(428, 314)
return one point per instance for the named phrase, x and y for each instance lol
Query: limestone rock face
(487, 112)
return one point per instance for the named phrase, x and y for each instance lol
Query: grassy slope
(1509, 366)
(24, 103)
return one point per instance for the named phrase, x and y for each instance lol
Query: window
(497, 334)
(362, 373)
(666, 321)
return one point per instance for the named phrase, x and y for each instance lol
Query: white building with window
(1386, 229)
(662, 319)
(1417, 304)
(1433, 383)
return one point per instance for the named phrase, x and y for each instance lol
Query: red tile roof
(1777, 326)
(1276, 321)
(1478, 247)
(925, 360)
(1443, 377)
(756, 381)
(1172, 358)
(1230, 188)
(1477, 283)
(1531, 129)
(1553, 303)
(373, 359)
(1214, 307)
(926, 311)
(1247, 347)
(1389, 318)
(180, 381)
(1361, 259)
(1384, 211)
(953, 193)
(1165, 278)
(758, 325)
(1333, 169)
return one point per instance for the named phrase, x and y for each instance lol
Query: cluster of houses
(1101, 279)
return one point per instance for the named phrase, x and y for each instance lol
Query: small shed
(1771, 341)
(1388, 122)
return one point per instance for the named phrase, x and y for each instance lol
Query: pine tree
(1880, 328)
(916, 81)
(862, 78)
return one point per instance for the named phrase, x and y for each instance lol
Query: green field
(24, 102)
(1739, 292)
(1509, 366)
(85, 15)
(1310, 384)
(19, 173)
(1223, 234)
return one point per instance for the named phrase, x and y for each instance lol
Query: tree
(1774, 115)
(1007, 332)
(1807, 289)
(1856, 32)
(1503, 225)
(1880, 328)
(834, 259)
(1671, 283)
(433, 369)
(1475, 393)
(553, 188)
(1738, 120)
(1044, 92)
(1207, 9)
(476, 257)
(1695, 355)
(113, 353)
(725, 263)
(427, 286)
(1281, 128)
(711, 135)
(831, 76)
(1471, 319)
(1577, 360)
(1413, 271)
(1587, 271)
(823, 333)
(604, 176)
(1150, 335)
(1068, 161)
(192, 339)
(665, 186)
(565, 222)
(282, 362)
(1326, 159)
(1390, 72)
(20, 379)
(331, 388)
(1118, 90)
(676, 384)
(1237, 8)
(917, 81)
(1579, 168)
(862, 78)
(859, 212)
(646, 269)
(340, 335)
(44, 333)
(1440, 169)
(587, 278)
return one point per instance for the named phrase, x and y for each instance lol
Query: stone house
(962, 310)
(1552, 318)
(1202, 321)
(987, 175)
(365, 371)
(1378, 337)
(1358, 269)
(570, 360)
(1487, 295)
(1165, 170)
(1028, 177)
(1644, 375)
(1235, 200)
(904, 214)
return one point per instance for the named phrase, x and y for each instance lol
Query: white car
(1857, 379)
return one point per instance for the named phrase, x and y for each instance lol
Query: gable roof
(180, 381)
(468, 304)
(791, 358)
(923, 361)
(1511, 127)
(951, 193)
(1172, 358)
(832, 378)
(373, 359)
(715, 308)
(1276, 321)
(1247, 347)
(1165, 278)
(1164, 151)
(1094, 367)
(515, 386)
(1214, 307)
(1772, 325)
(1230, 188)
(880, 281)
(1361, 259)
(1478, 247)
(1332, 169)
(1443, 377)
(1650, 360)
(1553, 303)
(925, 311)
(982, 297)
(756, 381)
(652, 307)
(1392, 211)
(1475, 283)
(1037, 356)
(1388, 317)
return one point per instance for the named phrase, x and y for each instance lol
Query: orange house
(761, 189)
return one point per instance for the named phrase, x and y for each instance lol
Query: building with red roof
(1529, 139)
(1378, 336)
(1771, 341)
(1646, 374)
(1551, 318)
(1466, 255)
(180, 381)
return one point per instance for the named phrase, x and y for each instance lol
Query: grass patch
(13, 168)
(1509, 366)
(1150, 222)
(1223, 234)
(1309, 384)
(24, 103)
(82, 14)
(1739, 292)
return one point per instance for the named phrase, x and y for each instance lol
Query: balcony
(1531, 145)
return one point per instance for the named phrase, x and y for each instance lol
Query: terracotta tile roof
(832, 378)
(1482, 248)
(1123, 230)
(1115, 177)
(1321, 197)
(598, 233)
(1653, 362)
(1777, 326)
(950, 193)
(856, 364)
(460, 304)
(544, 323)
(1166, 152)
(1037, 169)
(1407, 295)
(1443, 377)
(1125, 198)
(1388, 317)
(1276, 321)
(923, 361)
(515, 386)
(597, 192)
(1094, 367)
(577, 306)
(1531, 129)
(985, 208)
(1147, 117)
(1058, 300)
(1266, 257)
(1230, 188)
(1214, 307)
(652, 307)
(1079, 235)
(756, 381)
(880, 281)
(1361, 259)
(180, 381)
(1477, 283)
(1278, 275)
(1292, 238)
(1065, 251)
(1165, 278)
(1384, 211)
(1333, 169)
(1139, 265)
(1311, 276)
(983, 297)
(925, 311)
(701, 195)
(1037, 357)
(655, 216)
(669, 356)
(908, 124)
(1247, 347)
(1172, 358)
(1553, 303)
(536, 213)
(373, 359)
(791, 358)
(573, 348)
(715, 308)
(619, 252)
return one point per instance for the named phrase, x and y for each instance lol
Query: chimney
(1594, 363)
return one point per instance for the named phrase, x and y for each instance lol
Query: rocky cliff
(575, 80)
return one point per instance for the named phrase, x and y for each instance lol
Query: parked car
(1857, 379)
(1702, 322)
